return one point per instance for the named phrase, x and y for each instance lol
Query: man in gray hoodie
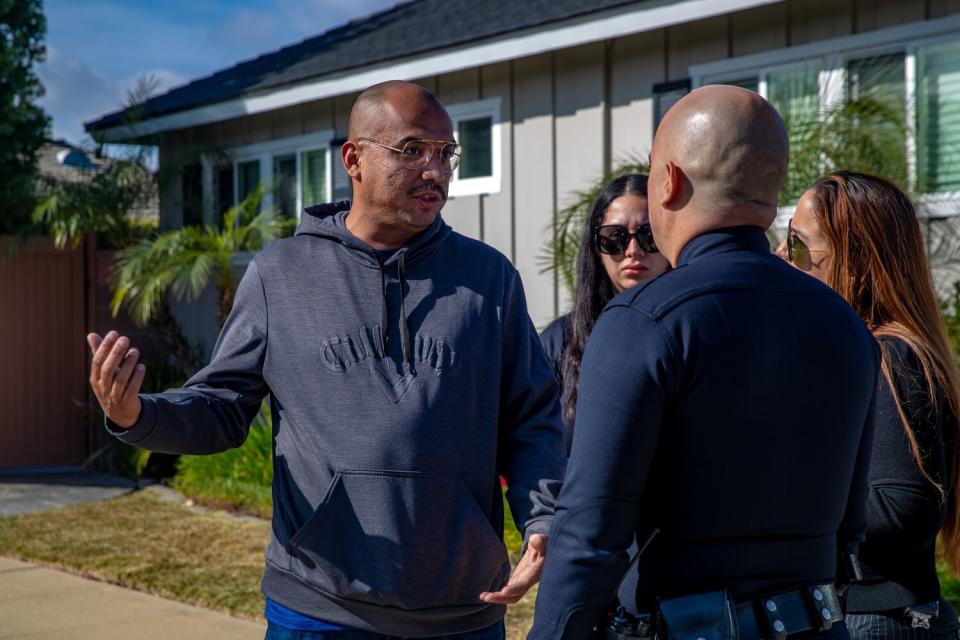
(405, 377)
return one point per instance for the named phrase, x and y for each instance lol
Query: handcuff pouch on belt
(920, 616)
(702, 616)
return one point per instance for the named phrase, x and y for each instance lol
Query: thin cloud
(98, 48)
(74, 93)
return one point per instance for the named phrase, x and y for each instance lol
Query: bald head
(731, 145)
(377, 106)
(719, 160)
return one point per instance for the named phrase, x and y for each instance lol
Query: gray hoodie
(401, 392)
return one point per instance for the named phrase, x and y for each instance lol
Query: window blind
(938, 118)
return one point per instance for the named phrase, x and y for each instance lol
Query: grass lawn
(209, 559)
(152, 544)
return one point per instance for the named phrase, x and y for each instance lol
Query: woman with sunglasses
(616, 252)
(860, 235)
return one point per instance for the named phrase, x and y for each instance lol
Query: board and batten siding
(567, 116)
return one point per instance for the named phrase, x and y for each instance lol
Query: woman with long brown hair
(860, 235)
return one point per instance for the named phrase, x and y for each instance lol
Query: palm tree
(185, 261)
(101, 205)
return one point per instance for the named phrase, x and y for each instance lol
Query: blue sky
(96, 49)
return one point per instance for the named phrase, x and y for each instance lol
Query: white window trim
(266, 151)
(489, 107)
(870, 43)
(834, 54)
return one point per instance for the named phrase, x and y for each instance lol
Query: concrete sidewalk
(39, 492)
(37, 603)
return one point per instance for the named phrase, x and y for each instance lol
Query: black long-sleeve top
(905, 510)
(728, 403)
(554, 339)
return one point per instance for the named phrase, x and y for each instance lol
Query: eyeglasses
(612, 239)
(416, 154)
(798, 252)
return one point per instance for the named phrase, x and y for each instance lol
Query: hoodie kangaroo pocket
(400, 538)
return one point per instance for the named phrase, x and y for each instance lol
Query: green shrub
(239, 479)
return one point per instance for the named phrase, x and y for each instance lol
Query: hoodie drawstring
(384, 318)
(405, 338)
(404, 327)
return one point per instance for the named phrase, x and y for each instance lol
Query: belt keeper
(823, 605)
(768, 610)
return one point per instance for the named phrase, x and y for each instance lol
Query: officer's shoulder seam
(665, 307)
(654, 320)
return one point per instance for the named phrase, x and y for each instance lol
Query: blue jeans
(493, 632)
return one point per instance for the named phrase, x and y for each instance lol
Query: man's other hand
(524, 575)
(116, 377)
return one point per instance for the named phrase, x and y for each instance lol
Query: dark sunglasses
(797, 251)
(612, 239)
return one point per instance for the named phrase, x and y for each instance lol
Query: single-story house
(545, 95)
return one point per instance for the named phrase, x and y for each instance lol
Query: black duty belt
(812, 608)
(712, 616)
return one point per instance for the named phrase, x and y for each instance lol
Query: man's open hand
(116, 377)
(524, 575)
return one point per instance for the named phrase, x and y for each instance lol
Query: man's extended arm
(214, 409)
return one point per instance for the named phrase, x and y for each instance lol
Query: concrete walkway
(20, 494)
(37, 603)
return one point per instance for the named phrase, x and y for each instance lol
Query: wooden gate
(46, 306)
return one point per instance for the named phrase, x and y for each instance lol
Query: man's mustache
(423, 188)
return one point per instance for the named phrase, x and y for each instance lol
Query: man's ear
(673, 178)
(350, 155)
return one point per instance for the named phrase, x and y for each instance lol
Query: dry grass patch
(145, 542)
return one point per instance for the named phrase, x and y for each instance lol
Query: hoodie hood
(329, 221)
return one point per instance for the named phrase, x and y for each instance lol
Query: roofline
(490, 52)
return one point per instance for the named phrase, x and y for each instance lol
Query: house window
(313, 176)
(248, 178)
(665, 95)
(795, 92)
(751, 83)
(938, 118)
(876, 88)
(293, 172)
(191, 193)
(340, 179)
(476, 126)
(897, 91)
(476, 139)
(285, 184)
(224, 191)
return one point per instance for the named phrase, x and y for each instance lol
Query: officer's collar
(746, 238)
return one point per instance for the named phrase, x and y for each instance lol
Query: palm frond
(186, 261)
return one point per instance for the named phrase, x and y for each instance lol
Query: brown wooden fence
(47, 304)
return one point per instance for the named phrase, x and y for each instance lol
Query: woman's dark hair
(594, 289)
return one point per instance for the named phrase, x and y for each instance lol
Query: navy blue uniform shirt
(728, 403)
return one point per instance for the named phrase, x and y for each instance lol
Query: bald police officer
(726, 404)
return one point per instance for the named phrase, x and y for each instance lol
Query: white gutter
(509, 48)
